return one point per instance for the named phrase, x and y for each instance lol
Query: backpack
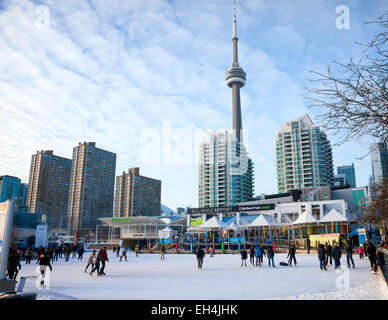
(284, 264)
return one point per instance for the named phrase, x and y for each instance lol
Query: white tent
(262, 221)
(305, 217)
(231, 226)
(167, 233)
(333, 216)
(213, 222)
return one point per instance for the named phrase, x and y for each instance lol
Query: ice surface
(222, 278)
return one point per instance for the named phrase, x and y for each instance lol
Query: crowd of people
(327, 254)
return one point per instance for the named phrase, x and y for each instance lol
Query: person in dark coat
(336, 253)
(371, 250)
(308, 242)
(103, 257)
(44, 263)
(252, 255)
(163, 252)
(291, 255)
(380, 258)
(244, 256)
(28, 254)
(13, 264)
(349, 253)
(200, 255)
(329, 250)
(118, 251)
(322, 257)
(80, 252)
(270, 256)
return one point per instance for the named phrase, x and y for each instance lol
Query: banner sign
(120, 219)
(196, 222)
(234, 240)
(323, 238)
(247, 208)
(41, 236)
(165, 240)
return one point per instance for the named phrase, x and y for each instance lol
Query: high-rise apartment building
(9, 188)
(379, 157)
(91, 192)
(225, 172)
(349, 173)
(48, 187)
(303, 156)
(137, 195)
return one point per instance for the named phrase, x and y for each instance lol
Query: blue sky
(125, 73)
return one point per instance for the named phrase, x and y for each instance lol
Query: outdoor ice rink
(146, 277)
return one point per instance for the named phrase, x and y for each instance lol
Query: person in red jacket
(103, 257)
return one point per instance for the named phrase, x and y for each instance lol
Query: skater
(124, 254)
(322, 257)
(51, 254)
(118, 251)
(137, 250)
(211, 251)
(252, 256)
(360, 251)
(291, 255)
(244, 257)
(80, 252)
(13, 264)
(74, 251)
(67, 252)
(329, 253)
(41, 252)
(308, 242)
(259, 256)
(163, 251)
(57, 253)
(103, 257)
(44, 263)
(336, 255)
(365, 248)
(90, 260)
(28, 254)
(270, 256)
(96, 264)
(349, 254)
(371, 251)
(380, 257)
(200, 255)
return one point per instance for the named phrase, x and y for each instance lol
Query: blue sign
(242, 239)
(165, 240)
(234, 240)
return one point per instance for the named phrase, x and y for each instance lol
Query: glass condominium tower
(303, 156)
(225, 172)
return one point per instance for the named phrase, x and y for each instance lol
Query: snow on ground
(146, 277)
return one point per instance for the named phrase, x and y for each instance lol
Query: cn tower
(235, 78)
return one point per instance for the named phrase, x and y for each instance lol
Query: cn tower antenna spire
(235, 78)
(234, 20)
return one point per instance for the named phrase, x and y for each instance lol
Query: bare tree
(353, 97)
(377, 208)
